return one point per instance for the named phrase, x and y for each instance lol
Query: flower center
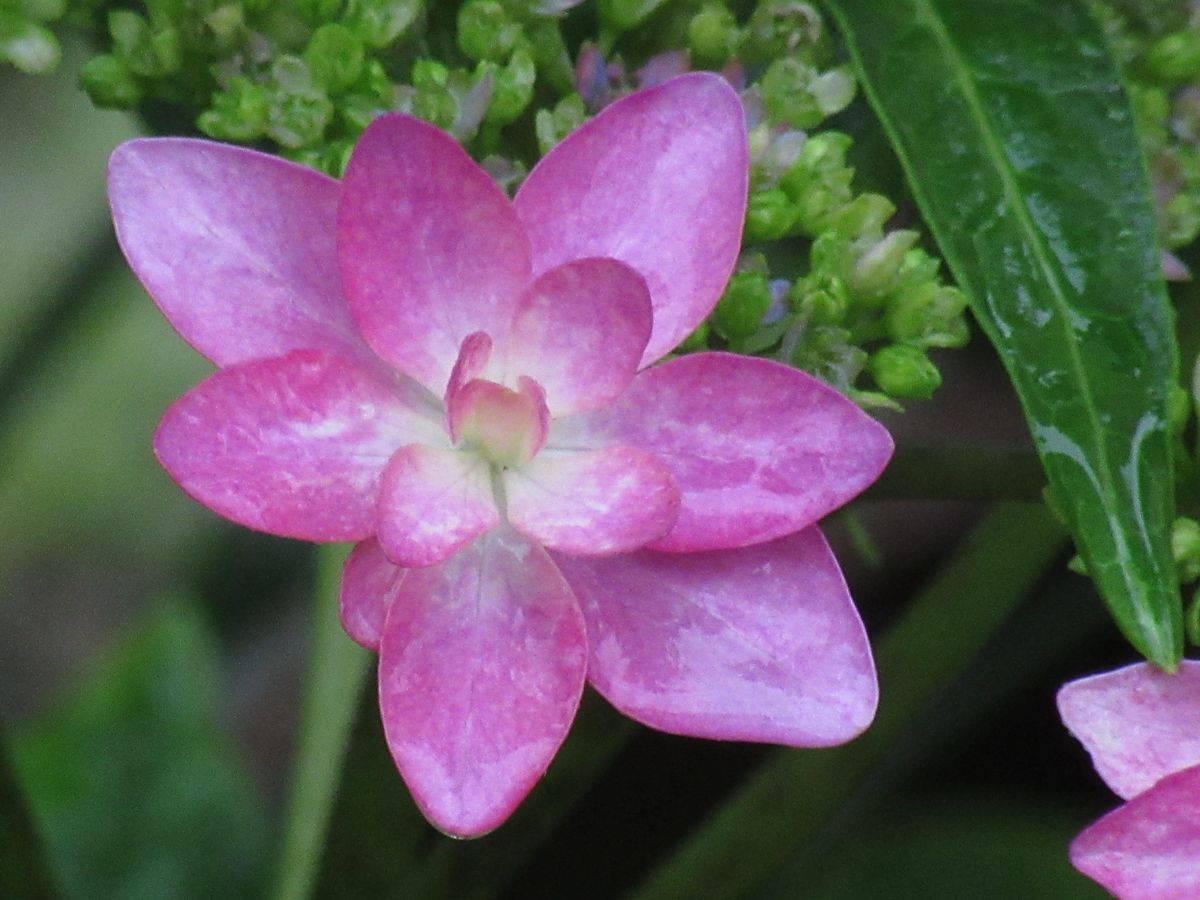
(504, 426)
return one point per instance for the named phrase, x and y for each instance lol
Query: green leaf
(1020, 148)
(137, 794)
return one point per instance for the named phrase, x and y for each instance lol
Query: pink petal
(1138, 723)
(430, 248)
(369, 584)
(236, 247)
(432, 501)
(658, 180)
(1148, 849)
(757, 644)
(293, 445)
(480, 673)
(758, 449)
(580, 331)
(592, 503)
(472, 361)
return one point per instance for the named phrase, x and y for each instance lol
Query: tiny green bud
(828, 353)
(552, 126)
(1179, 409)
(238, 113)
(168, 48)
(822, 300)
(779, 28)
(927, 315)
(865, 214)
(226, 23)
(713, 35)
(132, 41)
(834, 90)
(1191, 620)
(1185, 547)
(316, 12)
(741, 308)
(335, 56)
(787, 93)
(876, 270)
(298, 112)
(486, 31)
(1175, 58)
(109, 82)
(770, 215)
(429, 73)
(41, 10)
(624, 14)
(380, 22)
(1077, 565)
(902, 370)
(1181, 219)
(512, 89)
(28, 46)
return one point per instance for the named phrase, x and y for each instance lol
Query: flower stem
(337, 669)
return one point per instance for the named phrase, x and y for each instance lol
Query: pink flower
(1142, 728)
(464, 385)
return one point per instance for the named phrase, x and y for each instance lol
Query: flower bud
(31, 47)
(335, 56)
(876, 270)
(927, 315)
(821, 298)
(865, 214)
(133, 42)
(1175, 58)
(779, 28)
(379, 22)
(487, 32)
(317, 12)
(513, 89)
(713, 35)
(552, 126)
(770, 215)
(238, 113)
(298, 112)
(624, 14)
(902, 370)
(1185, 547)
(787, 93)
(1180, 219)
(1179, 409)
(110, 83)
(743, 305)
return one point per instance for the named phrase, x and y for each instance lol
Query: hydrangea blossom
(469, 388)
(1142, 728)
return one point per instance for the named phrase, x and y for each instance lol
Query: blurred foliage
(135, 791)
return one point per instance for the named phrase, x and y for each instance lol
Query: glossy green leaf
(1019, 145)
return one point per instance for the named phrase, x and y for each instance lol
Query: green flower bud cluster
(871, 304)
(305, 77)
(1158, 46)
(25, 40)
